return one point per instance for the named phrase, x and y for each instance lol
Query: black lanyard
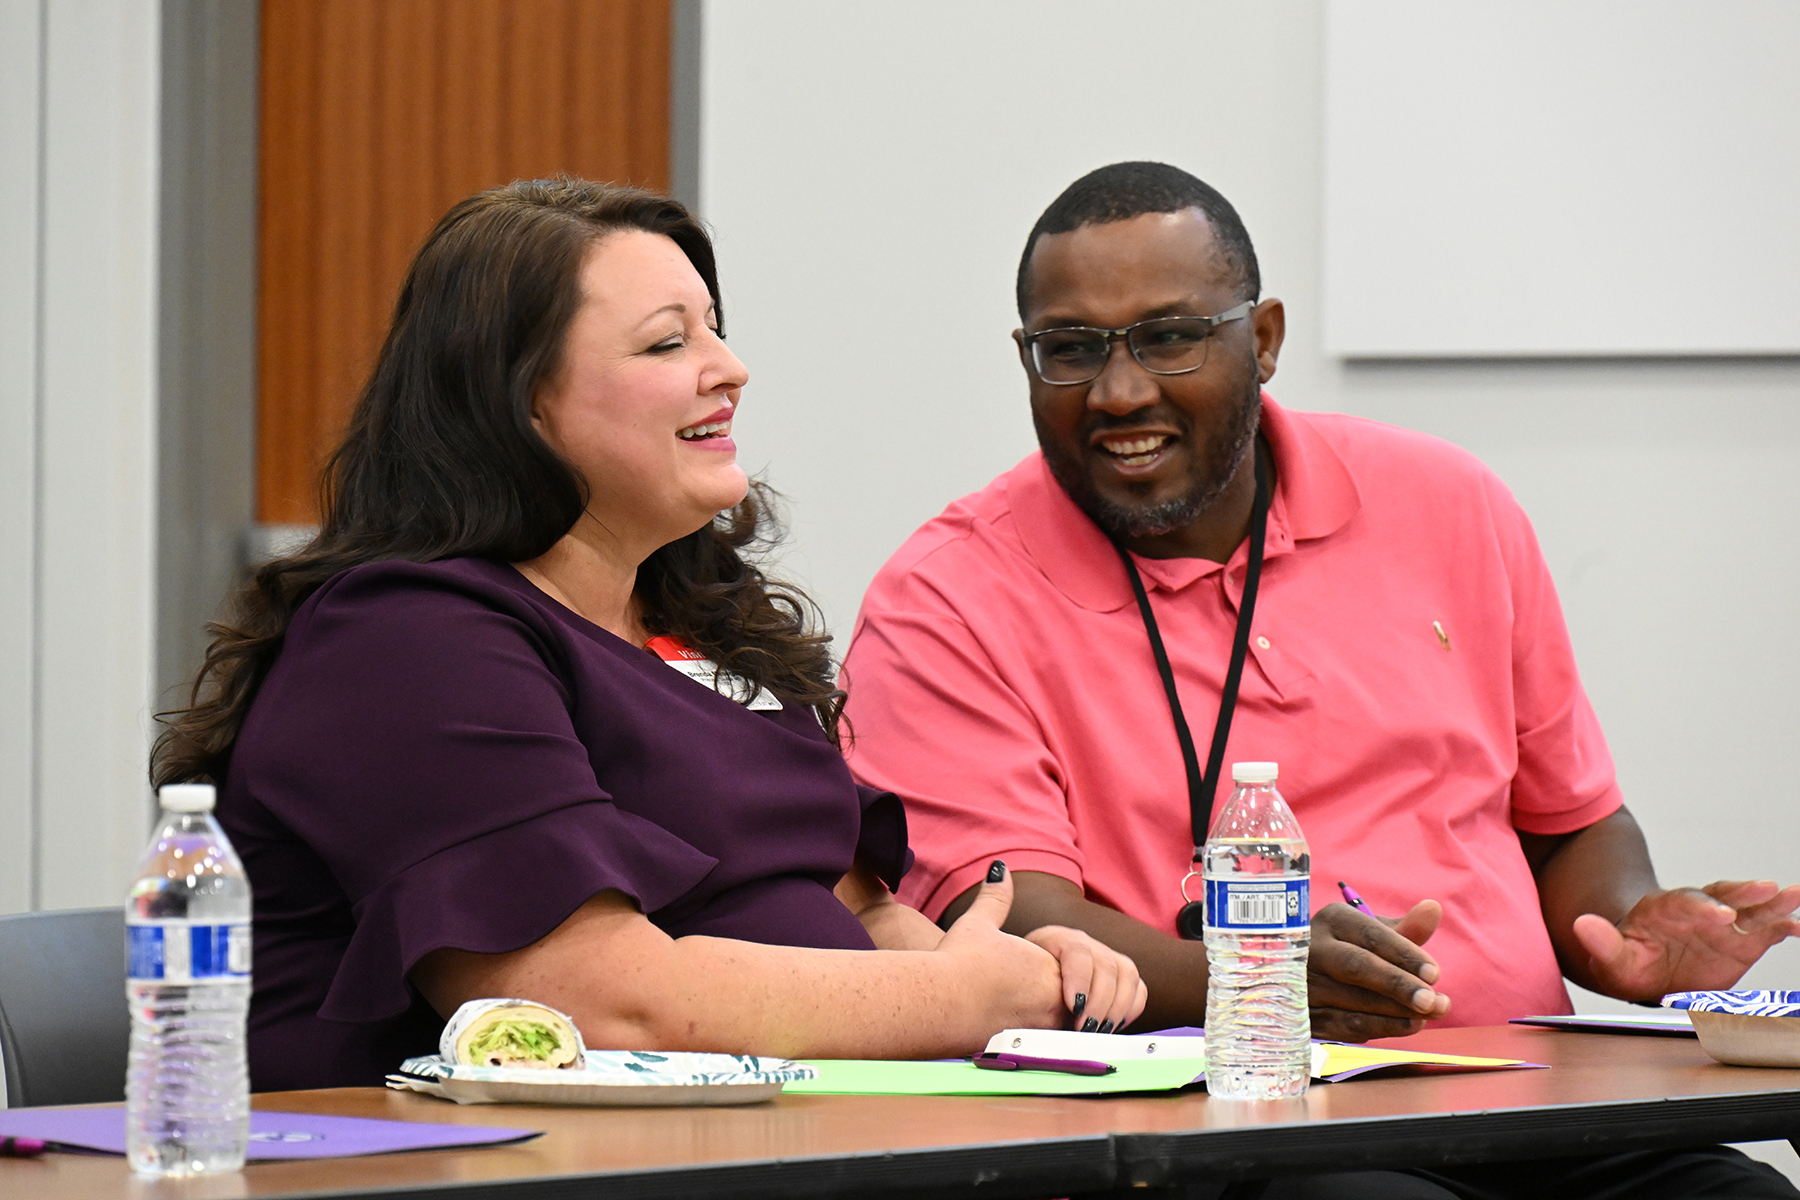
(1202, 788)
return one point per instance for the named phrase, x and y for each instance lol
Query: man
(1407, 664)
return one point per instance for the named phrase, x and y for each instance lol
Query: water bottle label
(179, 952)
(1271, 904)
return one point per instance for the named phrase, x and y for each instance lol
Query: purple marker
(1024, 1062)
(1353, 900)
(21, 1147)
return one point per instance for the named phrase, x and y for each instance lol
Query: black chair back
(65, 1029)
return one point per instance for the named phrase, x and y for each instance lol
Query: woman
(454, 769)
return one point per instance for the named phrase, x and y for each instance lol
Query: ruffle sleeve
(881, 846)
(501, 893)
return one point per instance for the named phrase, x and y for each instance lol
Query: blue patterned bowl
(1745, 1029)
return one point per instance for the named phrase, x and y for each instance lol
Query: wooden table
(1603, 1092)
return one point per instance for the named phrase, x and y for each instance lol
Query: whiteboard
(1574, 177)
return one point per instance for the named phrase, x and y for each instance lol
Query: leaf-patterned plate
(612, 1078)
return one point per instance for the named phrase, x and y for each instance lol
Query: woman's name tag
(701, 669)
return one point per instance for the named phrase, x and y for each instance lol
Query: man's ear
(1269, 321)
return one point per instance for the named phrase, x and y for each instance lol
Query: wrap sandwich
(512, 1033)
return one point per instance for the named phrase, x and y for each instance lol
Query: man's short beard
(1215, 466)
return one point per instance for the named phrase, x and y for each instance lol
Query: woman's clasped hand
(1060, 977)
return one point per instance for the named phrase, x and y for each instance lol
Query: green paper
(871, 1077)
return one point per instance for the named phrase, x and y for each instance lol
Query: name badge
(701, 669)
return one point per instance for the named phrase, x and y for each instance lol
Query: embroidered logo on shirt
(701, 669)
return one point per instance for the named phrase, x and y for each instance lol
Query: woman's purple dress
(444, 756)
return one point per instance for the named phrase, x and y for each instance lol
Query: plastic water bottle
(1257, 873)
(187, 930)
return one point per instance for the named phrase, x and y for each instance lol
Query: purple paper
(1585, 1024)
(273, 1135)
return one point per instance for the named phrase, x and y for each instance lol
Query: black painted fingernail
(1106, 1026)
(997, 872)
(1091, 1024)
(1080, 1005)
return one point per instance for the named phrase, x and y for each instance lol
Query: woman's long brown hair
(441, 461)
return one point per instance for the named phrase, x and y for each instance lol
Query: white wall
(872, 172)
(20, 37)
(78, 146)
(1593, 150)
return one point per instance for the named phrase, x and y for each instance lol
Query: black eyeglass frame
(1030, 340)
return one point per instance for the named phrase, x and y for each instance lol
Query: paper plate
(633, 1078)
(1745, 1029)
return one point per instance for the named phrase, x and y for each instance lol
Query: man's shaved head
(1131, 189)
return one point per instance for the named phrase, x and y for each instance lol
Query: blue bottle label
(182, 952)
(1236, 904)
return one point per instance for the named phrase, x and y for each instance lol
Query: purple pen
(21, 1147)
(1353, 900)
(992, 1061)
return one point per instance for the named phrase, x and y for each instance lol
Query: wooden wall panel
(377, 116)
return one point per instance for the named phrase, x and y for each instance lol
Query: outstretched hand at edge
(1688, 939)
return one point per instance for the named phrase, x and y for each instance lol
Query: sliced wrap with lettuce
(512, 1033)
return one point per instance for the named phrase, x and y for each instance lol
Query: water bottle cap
(1253, 772)
(187, 797)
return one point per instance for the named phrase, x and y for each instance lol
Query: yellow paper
(1340, 1058)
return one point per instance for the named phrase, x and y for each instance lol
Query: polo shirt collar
(1315, 495)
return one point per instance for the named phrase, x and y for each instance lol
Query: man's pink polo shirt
(1001, 682)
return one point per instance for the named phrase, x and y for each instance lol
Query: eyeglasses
(1162, 346)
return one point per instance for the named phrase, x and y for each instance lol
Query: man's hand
(1369, 977)
(1687, 939)
(1617, 931)
(1365, 974)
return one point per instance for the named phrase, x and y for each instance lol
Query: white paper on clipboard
(1098, 1047)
